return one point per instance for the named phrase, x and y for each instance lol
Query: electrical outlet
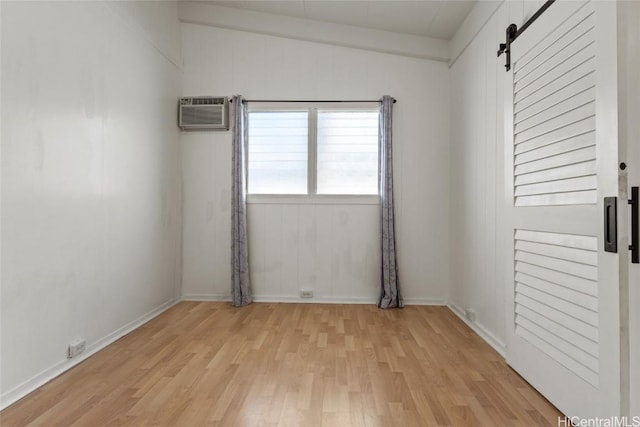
(470, 315)
(76, 347)
(306, 293)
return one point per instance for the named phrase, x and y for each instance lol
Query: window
(347, 152)
(313, 150)
(278, 151)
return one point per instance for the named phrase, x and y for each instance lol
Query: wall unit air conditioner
(204, 112)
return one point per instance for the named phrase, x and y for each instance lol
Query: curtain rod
(300, 100)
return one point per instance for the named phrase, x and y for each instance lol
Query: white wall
(332, 249)
(90, 178)
(477, 166)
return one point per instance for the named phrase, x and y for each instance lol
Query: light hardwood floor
(204, 363)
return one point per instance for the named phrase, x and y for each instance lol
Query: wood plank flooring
(204, 363)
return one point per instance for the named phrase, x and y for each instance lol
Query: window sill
(267, 199)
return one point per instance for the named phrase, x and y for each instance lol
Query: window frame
(312, 155)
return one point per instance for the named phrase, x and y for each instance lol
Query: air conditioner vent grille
(202, 116)
(203, 100)
(199, 113)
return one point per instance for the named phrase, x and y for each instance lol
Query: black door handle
(634, 247)
(611, 224)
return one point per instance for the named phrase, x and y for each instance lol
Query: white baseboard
(282, 299)
(205, 297)
(314, 300)
(50, 373)
(317, 300)
(425, 301)
(484, 333)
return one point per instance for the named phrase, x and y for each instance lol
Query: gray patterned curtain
(240, 281)
(390, 285)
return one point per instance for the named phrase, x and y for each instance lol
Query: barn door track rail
(513, 32)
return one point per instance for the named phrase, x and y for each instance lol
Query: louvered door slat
(560, 278)
(560, 356)
(576, 353)
(564, 240)
(572, 142)
(561, 132)
(568, 66)
(530, 58)
(584, 315)
(555, 149)
(557, 122)
(587, 301)
(576, 130)
(560, 329)
(562, 252)
(558, 271)
(571, 323)
(566, 105)
(558, 186)
(576, 86)
(575, 40)
(578, 169)
(581, 75)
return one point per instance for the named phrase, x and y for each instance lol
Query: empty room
(320, 213)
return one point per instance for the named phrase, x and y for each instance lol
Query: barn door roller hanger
(513, 32)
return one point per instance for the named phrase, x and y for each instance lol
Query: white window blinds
(278, 146)
(347, 144)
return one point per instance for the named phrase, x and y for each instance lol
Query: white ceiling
(430, 18)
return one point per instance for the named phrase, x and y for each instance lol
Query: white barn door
(562, 156)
